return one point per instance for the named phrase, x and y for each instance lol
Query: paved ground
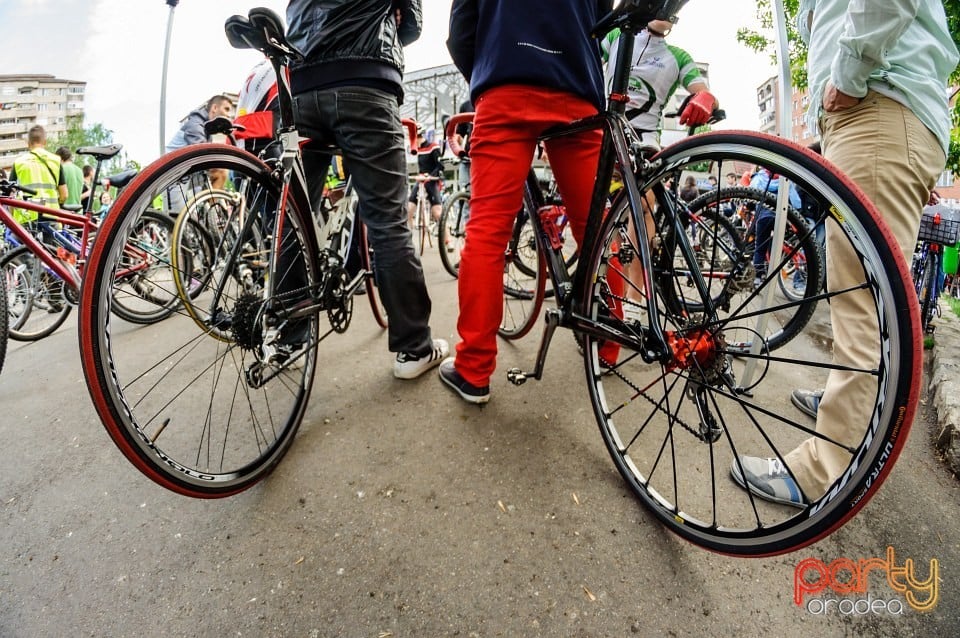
(401, 511)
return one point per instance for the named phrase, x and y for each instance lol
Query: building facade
(26, 100)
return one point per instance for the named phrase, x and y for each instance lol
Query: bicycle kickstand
(518, 377)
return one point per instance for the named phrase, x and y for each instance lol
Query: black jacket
(537, 42)
(348, 42)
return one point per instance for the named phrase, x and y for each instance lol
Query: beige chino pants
(896, 160)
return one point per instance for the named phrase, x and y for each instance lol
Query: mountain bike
(216, 401)
(939, 227)
(679, 403)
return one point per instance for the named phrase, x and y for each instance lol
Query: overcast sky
(116, 46)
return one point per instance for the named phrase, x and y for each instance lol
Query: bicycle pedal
(516, 376)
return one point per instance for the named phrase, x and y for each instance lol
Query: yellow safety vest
(38, 169)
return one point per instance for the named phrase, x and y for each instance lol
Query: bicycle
(214, 407)
(939, 227)
(678, 406)
(675, 408)
(423, 225)
(46, 257)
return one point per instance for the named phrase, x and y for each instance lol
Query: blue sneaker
(768, 479)
(807, 401)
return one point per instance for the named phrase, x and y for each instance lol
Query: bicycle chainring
(338, 300)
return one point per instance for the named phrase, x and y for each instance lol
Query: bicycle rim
(205, 238)
(675, 429)
(373, 291)
(524, 281)
(3, 319)
(144, 291)
(453, 225)
(199, 416)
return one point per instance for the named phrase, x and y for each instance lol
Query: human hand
(399, 16)
(934, 198)
(698, 109)
(835, 100)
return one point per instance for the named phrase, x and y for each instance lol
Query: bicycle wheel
(524, 279)
(928, 286)
(36, 303)
(740, 289)
(3, 317)
(453, 229)
(216, 249)
(373, 291)
(675, 426)
(144, 291)
(198, 415)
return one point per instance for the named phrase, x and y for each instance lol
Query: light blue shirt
(899, 48)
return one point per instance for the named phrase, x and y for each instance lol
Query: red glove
(698, 110)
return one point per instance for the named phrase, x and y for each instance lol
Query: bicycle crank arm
(517, 376)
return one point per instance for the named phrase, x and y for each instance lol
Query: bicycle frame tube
(70, 276)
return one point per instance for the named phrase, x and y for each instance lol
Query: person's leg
(895, 160)
(365, 124)
(502, 147)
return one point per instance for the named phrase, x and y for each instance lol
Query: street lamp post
(163, 78)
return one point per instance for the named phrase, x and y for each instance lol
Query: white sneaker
(411, 366)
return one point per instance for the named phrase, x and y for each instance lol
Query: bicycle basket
(940, 224)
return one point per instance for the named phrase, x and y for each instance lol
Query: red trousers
(508, 121)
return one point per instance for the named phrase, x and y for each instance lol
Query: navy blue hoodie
(538, 42)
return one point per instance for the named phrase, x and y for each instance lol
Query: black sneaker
(467, 391)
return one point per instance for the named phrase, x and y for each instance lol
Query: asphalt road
(402, 511)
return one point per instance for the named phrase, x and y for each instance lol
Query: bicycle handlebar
(7, 188)
(633, 15)
(411, 127)
(450, 132)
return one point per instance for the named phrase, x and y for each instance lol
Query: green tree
(760, 42)
(97, 134)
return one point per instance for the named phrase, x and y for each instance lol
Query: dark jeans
(365, 124)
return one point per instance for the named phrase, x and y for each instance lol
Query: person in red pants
(531, 65)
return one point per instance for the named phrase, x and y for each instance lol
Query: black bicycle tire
(120, 413)
(370, 283)
(931, 270)
(511, 329)
(164, 307)
(445, 256)
(901, 357)
(3, 319)
(16, 333)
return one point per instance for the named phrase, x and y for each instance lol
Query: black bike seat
(121, 179)
(100, 152)
(221, 125)
(262, 30)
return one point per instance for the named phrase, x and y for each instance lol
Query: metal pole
(785, 117)
(163, 78)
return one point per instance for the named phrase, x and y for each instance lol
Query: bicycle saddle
(121, 179)
(100, 152)
(221, 125)
(262, 30)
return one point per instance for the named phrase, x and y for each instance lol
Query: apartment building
(29, 99)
